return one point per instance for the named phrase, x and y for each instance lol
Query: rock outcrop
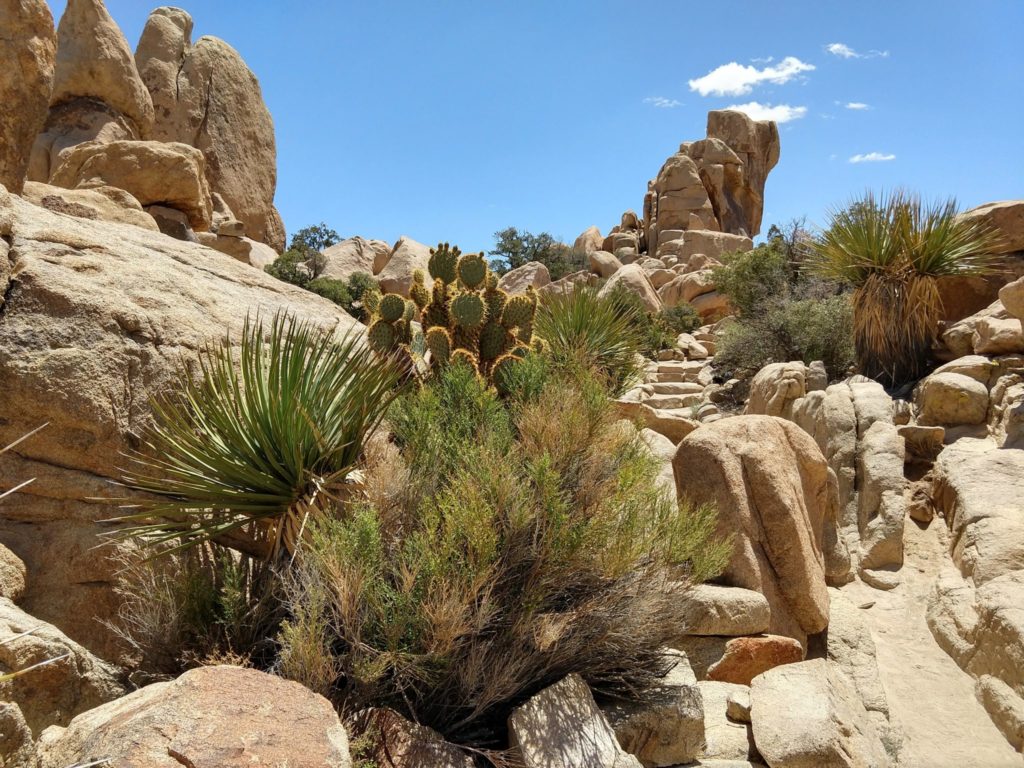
(808, 715)
(975, 611)
(54, 693)
(208, 98)
(97, 203)
(28, 48)
(97, 319)
(406, 257)
(354, 254)
(97, 92)
(224, 716)
(774, 494)
(531, 275)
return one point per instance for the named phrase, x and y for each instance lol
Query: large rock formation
(97, 92)
(28, 48)
(96, 319)
(975, 611)
(207, 97)
(774, 494)
(211, 716)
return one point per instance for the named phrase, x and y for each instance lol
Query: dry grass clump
(530, 541)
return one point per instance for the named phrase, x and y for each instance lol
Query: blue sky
(452, 119)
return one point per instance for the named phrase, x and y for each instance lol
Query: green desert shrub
(593, 333)
(657, 330)
(782, 313)
(195, 606)
(263, 437)
(534, 543)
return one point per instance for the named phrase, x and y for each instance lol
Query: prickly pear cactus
(466, 318)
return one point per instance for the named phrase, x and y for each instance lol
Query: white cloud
(780, 113)
(872, 157)
(765, 60)
(846, 52)
(857, 105)
(734, 79)
(662, 102)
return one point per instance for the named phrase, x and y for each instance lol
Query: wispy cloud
(846, 52)
(780, 113)
(857, 105)
(662, 103)
(765, 60)
(735, 79)
(872, 157)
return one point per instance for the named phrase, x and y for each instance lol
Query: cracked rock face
(206, 96)
(97, 320)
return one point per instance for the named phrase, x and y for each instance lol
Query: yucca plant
(596, 333)
(893, 249)
(263, 437)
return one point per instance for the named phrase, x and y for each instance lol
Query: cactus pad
(468, 310)
(472, 270)
(392, 307)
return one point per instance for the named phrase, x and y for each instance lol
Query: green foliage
(513, 249)
(656, 330)
(893, 250)
(204, 605)
(333, 290)
(782, 312)
(531, 542)
(290, 267)
(587, 332)
(314, 239)
(259, 440)
(480, 322)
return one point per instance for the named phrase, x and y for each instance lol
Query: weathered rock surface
(208, 98)
(992, 331)
(747, 657)
(406, 257)
(154, 173)
(727, 611)
(773, 492)
(96, 322)
(603, 263)
(589, 240)
(727, 739)
(97, 92)
(411, 745)
(52, 694)
(97, 203)
(775, 388)
(975, 610)
(28, 48)
(1005, 218)
(808, 715)
(666, 727)
(633, 279)
(344, 259)
(17, 748)
(211, 716)
(1012, 294)
(530, 275)
(12, 575)
(562, 727)
(951, 399)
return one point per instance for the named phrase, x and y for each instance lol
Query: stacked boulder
(706, 201)
(174, 137)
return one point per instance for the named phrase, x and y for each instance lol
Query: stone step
(676, 387)
(673, 402)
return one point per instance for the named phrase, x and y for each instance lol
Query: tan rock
(666, 726)
(996, 336)
(808, 715)
(411, 745)
(1012, 294)
(224, 716)
(211, 100)
(406, 257)
(951, 399)
(959, 338)
(881, 501)
(17, 748)
(530, 275)
(28, 48)
(727, 740)
(561, 727)
(571, 282)
(154, 173)
(775, 388)
(53, 694)
(344, 259)
(590, 240)
(660, 277)
(632, 278)
(603, 263)
(97, 203)
(724, 611)
(747, 657)
(98, 323)
(12, 574)
(1005, 218)
(712, 306)
(772, 489)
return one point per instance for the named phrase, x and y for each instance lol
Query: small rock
(747, 657)
(729, 611)
(880, 578)
(737, 705)
(12, 574)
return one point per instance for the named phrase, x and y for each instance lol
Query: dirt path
(944, 725)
